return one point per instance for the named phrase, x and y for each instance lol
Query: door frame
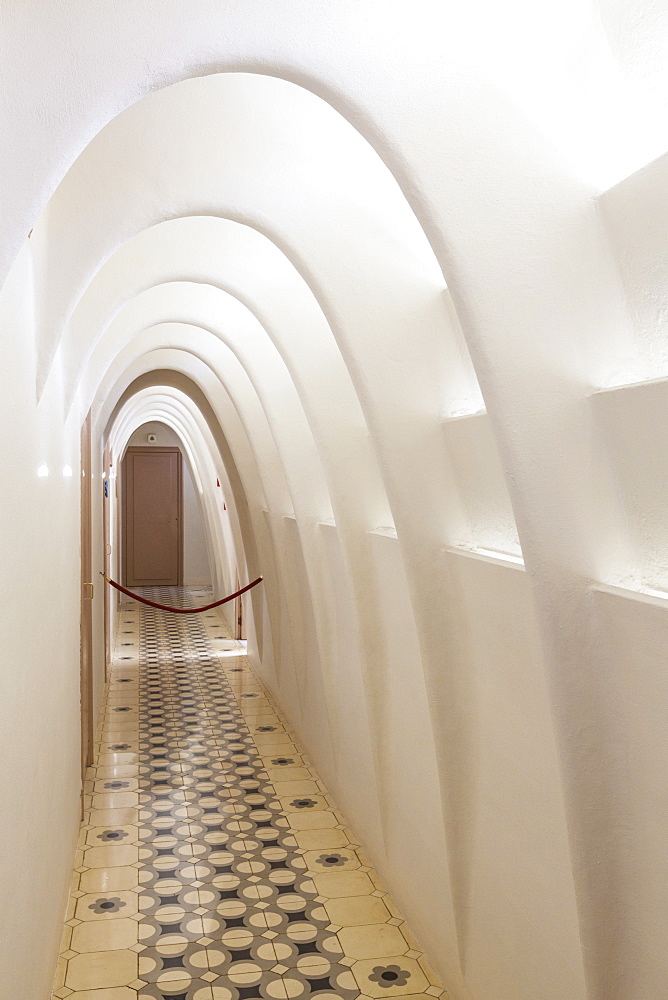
(87, 592)
(151, 450)
(239, 618)
(108, 571)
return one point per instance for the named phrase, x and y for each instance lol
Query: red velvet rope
(181, 611)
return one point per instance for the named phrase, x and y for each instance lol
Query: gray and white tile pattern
(213, 864)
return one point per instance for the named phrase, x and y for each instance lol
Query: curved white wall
(356, 260)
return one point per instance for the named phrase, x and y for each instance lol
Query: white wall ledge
(449, 418)
(621, 386)
(489, 556)
(646, 595)
(388, 531)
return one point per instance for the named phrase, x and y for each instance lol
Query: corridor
(212, 863)
(370, 301)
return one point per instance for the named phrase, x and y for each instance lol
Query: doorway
(87, 589)
(152, 523)
(239, 618)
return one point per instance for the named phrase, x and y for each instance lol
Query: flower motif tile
(103, 905)
(108, 836)
(331, 860)
(393, 976)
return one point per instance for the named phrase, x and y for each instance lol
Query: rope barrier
(180, 611)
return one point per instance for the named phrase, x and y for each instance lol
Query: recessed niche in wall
(482, 484)
(635, 212)
(633, 418)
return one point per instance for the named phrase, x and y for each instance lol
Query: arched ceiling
(275, 223)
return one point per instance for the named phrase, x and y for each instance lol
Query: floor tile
(118, 757)
(275, 736)
(372, 941)
(391, 976)
(101, 969)
(279, 776)
(318, 819)
(321, 840)
(353, 911)
(298, 790)
(108, 785)
(112, 856)
(115, 993)
(213, 865)
(272, 753)
(98, 836)
(109, 879)
(112, 817)
(108, 935)
(105, 906)
(331, 860)
(335, 884)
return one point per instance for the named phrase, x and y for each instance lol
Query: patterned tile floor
(212, 863)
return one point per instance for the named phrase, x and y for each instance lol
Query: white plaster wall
(415, 859)
(518, 848)
(196, 571)
(39, 658)
(634, 697)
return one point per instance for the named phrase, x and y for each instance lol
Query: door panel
(152, 521)
(108, 571)
(239, 619)
(86, 666)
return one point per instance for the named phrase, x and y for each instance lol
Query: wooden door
(109, 592)
(87, 588)
(239, 622)
(152, 522)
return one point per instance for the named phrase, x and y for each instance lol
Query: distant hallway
(212, 863)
